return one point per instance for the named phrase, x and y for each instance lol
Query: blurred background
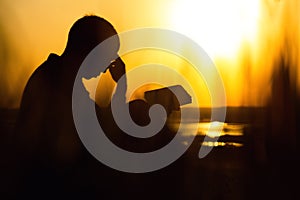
(246, 39)
(255, 45)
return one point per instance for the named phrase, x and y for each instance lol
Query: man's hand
(117, 69)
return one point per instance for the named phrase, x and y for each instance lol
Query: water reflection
(222, 144)
(229, 134)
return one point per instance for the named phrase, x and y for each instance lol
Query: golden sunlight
(218, 26)
(245, 39)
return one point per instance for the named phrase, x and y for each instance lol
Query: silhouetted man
(50, 153)
(52, 160)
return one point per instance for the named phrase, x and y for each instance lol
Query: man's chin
(105, 70)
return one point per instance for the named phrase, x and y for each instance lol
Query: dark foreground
(252, 171)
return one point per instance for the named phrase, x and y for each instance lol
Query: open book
(170, 97)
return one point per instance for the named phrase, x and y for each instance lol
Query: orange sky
(241, 36)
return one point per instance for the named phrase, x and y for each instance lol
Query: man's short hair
(87, 32)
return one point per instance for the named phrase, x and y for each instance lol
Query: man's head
(87, 32)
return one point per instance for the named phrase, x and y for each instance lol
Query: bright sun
(218, 26)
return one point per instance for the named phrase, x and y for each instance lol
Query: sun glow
(218, 26)
(244, 38)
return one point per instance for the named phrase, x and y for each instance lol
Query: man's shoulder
(47, 67)
(45, 72)
(51, 63)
